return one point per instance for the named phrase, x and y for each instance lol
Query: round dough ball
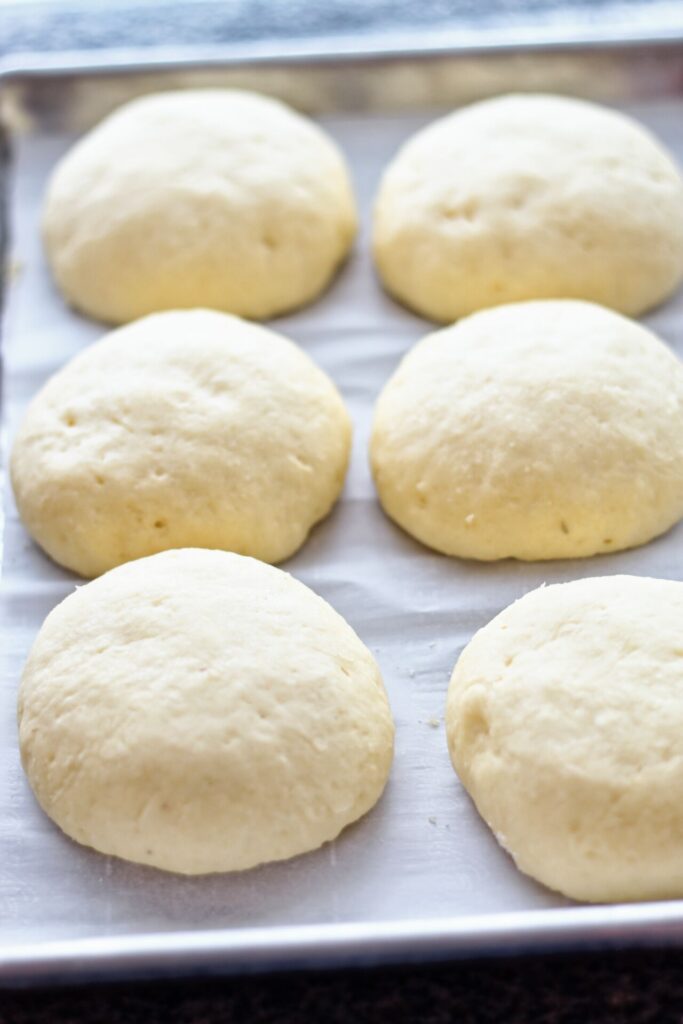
(214, 198)
(530, 197)
(565, 724)
(533, 431)
(200, 711)
(184, 429)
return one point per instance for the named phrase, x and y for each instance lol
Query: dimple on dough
(530, 197)
(200, 711)
(183, 429)
(550, 429)
(565, 724)
(217, 198)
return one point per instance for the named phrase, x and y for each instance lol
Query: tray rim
(258, 950)
(338, 49)
(302, 946)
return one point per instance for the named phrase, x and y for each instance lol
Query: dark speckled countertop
(589, 988)
(638, 988)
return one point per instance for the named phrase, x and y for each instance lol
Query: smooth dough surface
(183, 429)
(565, 724)
(530, 197)
(216, 198)
(536, 430)
(200, 711)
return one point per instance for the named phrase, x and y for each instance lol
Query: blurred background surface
(59, 25)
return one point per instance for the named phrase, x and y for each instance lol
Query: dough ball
(200, 711)
(533, 431)
(565, 724)
(214, 198)
(530, 197)
(184, 429)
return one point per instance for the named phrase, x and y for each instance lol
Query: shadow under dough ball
(217, 198)
(530, 197)
(536, 430)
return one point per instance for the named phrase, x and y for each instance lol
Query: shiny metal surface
(420, 877)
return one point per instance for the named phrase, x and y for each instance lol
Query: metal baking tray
(420, 877)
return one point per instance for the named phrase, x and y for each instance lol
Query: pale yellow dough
(530, 197)
(200, 711)
(216, 198)
(565, 724)
(536, 430)
(184, 429)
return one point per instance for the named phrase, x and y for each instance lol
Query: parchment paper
(422, 852)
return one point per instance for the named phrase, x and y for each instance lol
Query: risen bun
(214, 198)
(530, 197)
(200, 711)
(565, 723)
(537, 430)
(184, 429)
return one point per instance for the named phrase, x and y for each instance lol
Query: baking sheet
(421, 867)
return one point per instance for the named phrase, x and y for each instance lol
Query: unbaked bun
(184, 429)
(199, 711)
(215, 198)
(530, 197)
(565, 724)
(536, 430)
